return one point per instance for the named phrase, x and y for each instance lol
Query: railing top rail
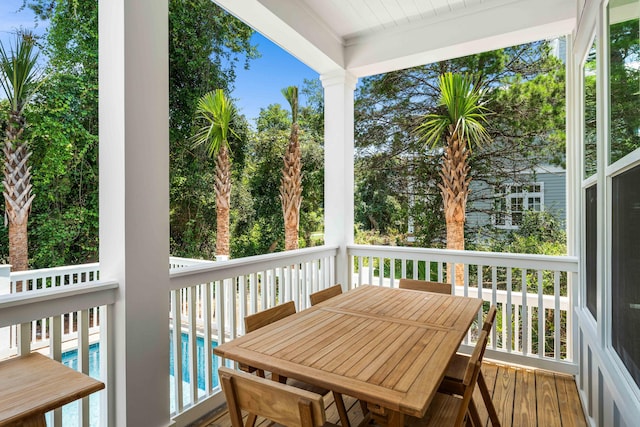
(187, 276)
(27, 306)
(57, 271)
(80, 268)
(501, 259)
(189, 261)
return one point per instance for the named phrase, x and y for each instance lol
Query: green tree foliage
(624, 87)
(206, 45)
(259, 228)
(64, 129)
(590, 136)
(526, 93)
(539, 232)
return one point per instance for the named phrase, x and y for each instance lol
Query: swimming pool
(70, 412)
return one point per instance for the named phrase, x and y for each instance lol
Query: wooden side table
(34, 384)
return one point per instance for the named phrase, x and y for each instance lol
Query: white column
(338, 166)
(5, 289)
(134, 205)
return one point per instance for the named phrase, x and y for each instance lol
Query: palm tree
(216, 111)
(291, 184)
(20, 79)
(461, 122)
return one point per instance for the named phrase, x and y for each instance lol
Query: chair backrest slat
(325, 294)
(284, 404)
(491, 317)
(268, 316)
(423, 285)
(475, 361)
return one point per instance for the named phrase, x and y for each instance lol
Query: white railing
(179, 262)
(42, 329)
(48, 314)
(209, 302)
(532, 293)
(59, 277)
(32, 280)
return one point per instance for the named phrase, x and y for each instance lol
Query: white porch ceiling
(368, 37)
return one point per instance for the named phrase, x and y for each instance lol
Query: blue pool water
(70, 412)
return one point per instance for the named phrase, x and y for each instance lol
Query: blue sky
(260, 86)
(255, 88)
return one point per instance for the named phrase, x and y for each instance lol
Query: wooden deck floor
(523, 397)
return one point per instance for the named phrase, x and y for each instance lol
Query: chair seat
(457, 366)
(442, 410)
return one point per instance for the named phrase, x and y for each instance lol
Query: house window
(512, 200)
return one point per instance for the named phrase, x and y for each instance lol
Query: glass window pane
(624, 84)
(534, 204)
(591, 250)
(516, 210)
(590, 113)
(625, 269)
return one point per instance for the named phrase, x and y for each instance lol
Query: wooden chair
(277, 402)
(325, 294)
(454, 376)
(451, 409)
(266, 317)
(423, 285)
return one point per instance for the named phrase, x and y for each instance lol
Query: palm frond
(464, 114)
(291, 95)
(20, 76)
(216, 112)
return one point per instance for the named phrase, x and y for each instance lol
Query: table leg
(396, 419)
(385, 417)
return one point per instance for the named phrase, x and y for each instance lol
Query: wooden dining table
(387, 347)
(33, 384)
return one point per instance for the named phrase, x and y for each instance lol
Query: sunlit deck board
(570, 407)
(522, 397)
(524, 401)
(529, 397)
(504, 393)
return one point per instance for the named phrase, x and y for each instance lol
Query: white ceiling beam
(466, 33)
(293, 27)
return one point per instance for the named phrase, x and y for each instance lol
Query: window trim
(508, 196)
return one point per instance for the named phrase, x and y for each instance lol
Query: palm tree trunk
(455, 189)
(19, 256)
(17, 193)
(291, 190)
(223, 202)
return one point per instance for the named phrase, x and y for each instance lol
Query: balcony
(66, 312)
(122, 317)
